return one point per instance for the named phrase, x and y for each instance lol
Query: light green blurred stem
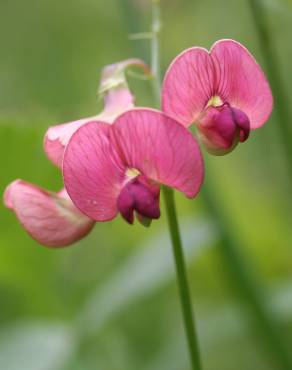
(177, 248)
(269, 51)
(133, 23)
(155, 56)
(247, 284)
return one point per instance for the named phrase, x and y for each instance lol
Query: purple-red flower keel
(242, 122)
(141, 196)
(198, 82)
(221, 128)
(117, 168)
(50, 218)
(117, 98)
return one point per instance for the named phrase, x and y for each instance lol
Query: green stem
(184, 290)
(177, 248)
(155, 56)
(273, 70)
(277, 344)
(247, 285)
(129, 14)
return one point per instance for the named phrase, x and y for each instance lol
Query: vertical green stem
(277, 344)
(177, 248)
(155, 56)
(273, 69)
(182, 279)
(248, 286)
(129, 14)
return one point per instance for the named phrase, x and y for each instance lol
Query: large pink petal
(93, 171)
(188, 85)
(229, 71)
(50, 218)
(241, 82)
(160, 148)
(117, 98)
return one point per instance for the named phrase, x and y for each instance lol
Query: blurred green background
(110, 302)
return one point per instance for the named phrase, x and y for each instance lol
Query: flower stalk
(155, 56)
(177, 248)
(182, 280)
(247, 285)
(273, 70)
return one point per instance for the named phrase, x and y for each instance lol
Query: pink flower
(117, 99)
(119, 168)
(224, 92)
(50, 218)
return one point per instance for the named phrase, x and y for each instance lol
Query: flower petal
(188, 85)
(117, 98)
(50, 218)
(93, 171)
(241, 81)
(229, 73)
(160, 148)
(58, 136)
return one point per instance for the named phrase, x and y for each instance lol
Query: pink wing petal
(50, 218)
(58, 136)
(160, 148)
(93, 172)
(188, 85)
(117, 98)
(241, 82)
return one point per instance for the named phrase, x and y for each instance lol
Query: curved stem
(177, 248)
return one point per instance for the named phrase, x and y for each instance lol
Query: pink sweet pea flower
(50, 218)
(117, 99)
(224, 92)
(119, 168)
